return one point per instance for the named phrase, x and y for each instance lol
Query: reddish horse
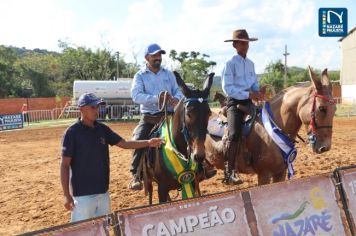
(311, 106)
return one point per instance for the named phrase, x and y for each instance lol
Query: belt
(152, 119)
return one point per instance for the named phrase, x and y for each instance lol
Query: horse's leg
(280, 177)
(162, 193)
(150, 191)
(196, 187)
(264, 178)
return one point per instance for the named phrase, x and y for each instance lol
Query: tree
(10, 85)
(193, 66)
(273, 75)
(39, 72)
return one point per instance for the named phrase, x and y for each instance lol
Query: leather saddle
(218, 123)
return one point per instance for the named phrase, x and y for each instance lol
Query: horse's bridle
(186, 104)
(184, 130)
(313, 123)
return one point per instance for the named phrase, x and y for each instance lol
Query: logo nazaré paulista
(332, 22)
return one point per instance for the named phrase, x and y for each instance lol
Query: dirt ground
(31, 195)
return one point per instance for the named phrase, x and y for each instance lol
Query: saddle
(218, 127)
(218, 123)
(145, 169)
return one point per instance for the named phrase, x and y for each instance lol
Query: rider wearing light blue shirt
(147, 84)
(239, 78)
(239, 83)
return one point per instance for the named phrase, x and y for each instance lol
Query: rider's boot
(230, 174)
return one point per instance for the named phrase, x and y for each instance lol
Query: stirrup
(230, 179)
(234, 181)
(135, 184)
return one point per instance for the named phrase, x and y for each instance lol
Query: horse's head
(318, 111)
(216, 96)
(195, 112)
(220, 98)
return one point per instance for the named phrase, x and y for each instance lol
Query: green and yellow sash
(183, 171)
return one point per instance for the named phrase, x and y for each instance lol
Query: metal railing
(108, 112)
(345, 107)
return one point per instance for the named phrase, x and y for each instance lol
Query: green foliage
(194, 66)
(46, 73)
(8, 73)
(49, 74)
(274, 75)
(334, 75)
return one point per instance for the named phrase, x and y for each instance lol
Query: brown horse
(311, 106)
(189, 129)
(220, 98)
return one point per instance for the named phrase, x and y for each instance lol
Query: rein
(313, 123)
(183, 168)
(186, 102)
(184, 130)
(166, 118)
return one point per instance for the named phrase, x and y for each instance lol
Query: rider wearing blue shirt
(147, 84)
(239, 83)
(146, 87)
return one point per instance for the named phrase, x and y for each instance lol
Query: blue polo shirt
(89, 149)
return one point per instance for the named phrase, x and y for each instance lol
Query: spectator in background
(24, 110)
(85, 154)
(102, 112)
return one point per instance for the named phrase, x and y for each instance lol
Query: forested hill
(20, 52)
(43, 73)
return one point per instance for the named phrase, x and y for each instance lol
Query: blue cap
(89, 99)
(153, 49)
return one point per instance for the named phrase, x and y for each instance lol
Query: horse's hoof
(210, 173)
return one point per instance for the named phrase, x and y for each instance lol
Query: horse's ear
(315, 81)
(325, 78)
(181, 83)
(208, 82)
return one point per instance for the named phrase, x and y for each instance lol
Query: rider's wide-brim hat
(240, 35)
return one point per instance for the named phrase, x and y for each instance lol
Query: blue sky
(183, 25)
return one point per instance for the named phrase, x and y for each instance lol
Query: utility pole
(285, 54)
(117, 65)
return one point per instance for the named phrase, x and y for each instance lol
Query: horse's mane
(281, 94)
